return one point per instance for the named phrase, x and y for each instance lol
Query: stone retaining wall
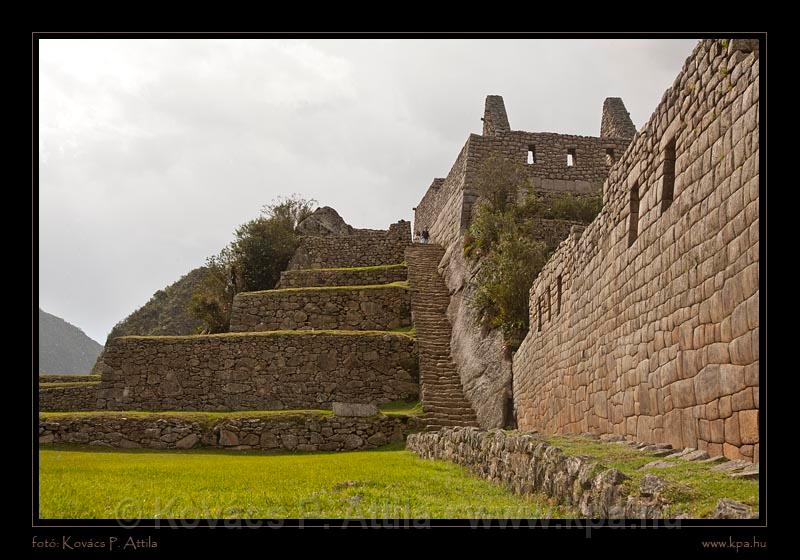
(257, 371)
(290, 432)
(70, 397)
(349, 308)
(526, 464)
(363, 247)
(364, 276)
(646, 323)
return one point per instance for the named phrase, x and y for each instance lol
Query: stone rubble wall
(525, 464)
(289, 432)
(656, 336)
(257, 371)
(364, 276)
(71, 397)
(364, 247)
(616, 121)
(350, 308)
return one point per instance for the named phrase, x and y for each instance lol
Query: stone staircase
(441, 393)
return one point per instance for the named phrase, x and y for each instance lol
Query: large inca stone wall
(647, 322)
(446, 210)
(290, 431)
(363, 276)
(68, 397)
(349, 308)
(363, 247)
(257, 371)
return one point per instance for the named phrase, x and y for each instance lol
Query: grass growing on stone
(81, 482)
(55, 385)
(187, 415)
(693, 487)
(191, 337)
(401, 408)
(355, 268)
(403, 284)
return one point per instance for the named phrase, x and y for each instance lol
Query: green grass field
(83, 482)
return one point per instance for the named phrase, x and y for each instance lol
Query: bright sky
(151, 152)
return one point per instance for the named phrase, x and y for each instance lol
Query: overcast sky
(151, 152)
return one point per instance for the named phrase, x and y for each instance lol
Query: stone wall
(446, 211)
(257, 371)
(526, 463)
(68, 397)
(363, 247)
(350, 308)
(290, 431)
(364, 276)
(646, 323)
(616, 121)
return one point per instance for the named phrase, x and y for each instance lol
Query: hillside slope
(166, 313)
(64, 348)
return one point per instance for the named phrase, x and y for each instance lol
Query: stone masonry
(285, 431)
(381, 307)
(362, 247)
(556, 164)
(78, 396)
(646, 323)
(257, 371)
(364, 276)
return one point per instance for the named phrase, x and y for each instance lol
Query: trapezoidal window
(531, 155)
(609, 156)
(668, 178)
(571, 157)
(633, 220)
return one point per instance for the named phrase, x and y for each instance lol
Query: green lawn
(83, 482)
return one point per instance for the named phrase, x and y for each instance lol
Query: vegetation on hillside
(167, 311)
(260, 250)
(506, 237)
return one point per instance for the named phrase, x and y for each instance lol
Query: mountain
(64, 348)
(167, 312)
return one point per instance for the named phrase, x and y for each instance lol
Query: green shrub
(253, 261)
(503, 236)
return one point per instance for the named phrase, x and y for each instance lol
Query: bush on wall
(502, 238)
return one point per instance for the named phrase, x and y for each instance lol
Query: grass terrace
(692, 486)
(402, 285)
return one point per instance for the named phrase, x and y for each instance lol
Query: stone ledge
(357, 276)
(287, 432)
(381, 307)
(258, 371)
